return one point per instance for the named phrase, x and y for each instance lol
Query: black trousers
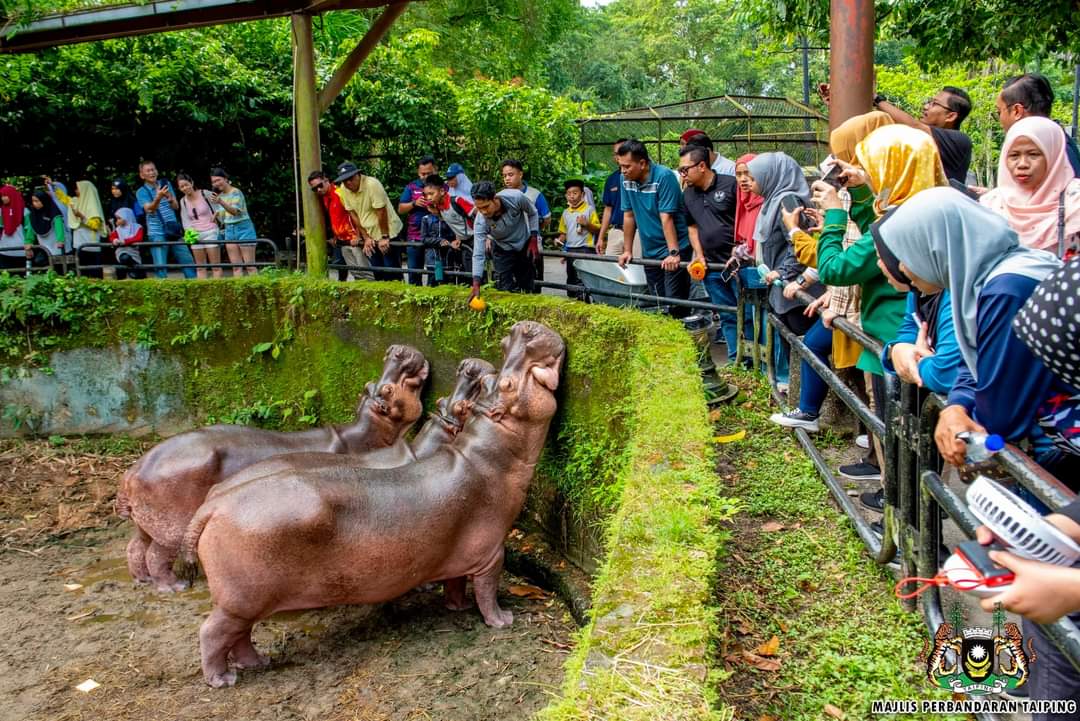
(514, 269)
(572, 277)
(671, 283)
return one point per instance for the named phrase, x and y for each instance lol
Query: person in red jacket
(342, 230)
(128, 232)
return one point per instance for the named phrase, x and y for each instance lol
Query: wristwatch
(672, 252)
(385, 237)
(879, 98)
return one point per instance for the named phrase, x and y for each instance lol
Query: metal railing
(20, 264)
(915, 495)
(152, 267)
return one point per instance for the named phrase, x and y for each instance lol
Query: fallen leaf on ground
(833, 711)
(526, 591)
(762, 664)
(772, 526)
(714, 416)
(730, 437)
(769, 648)
(767, 718)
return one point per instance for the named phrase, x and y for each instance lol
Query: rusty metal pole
(307, 136)
(851, 59)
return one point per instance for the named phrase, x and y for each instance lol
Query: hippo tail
(123, 500)
(189, 547)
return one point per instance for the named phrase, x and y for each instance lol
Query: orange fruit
(478, 303)
(697, 270)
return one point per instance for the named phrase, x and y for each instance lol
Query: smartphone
(977, 557)
(833, 177)
(794, 202)
(962, 187)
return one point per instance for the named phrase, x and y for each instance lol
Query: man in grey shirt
(510, 220)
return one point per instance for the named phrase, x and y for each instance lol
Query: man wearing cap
(412, 202)
(718, 163)
(510, 219)
(369, 207)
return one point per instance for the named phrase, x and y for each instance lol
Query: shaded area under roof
(105, 21)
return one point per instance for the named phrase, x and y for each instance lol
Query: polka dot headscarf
(1050, 320)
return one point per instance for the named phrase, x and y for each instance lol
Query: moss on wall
(628, 460)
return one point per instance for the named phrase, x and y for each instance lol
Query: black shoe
(874, 500)
(861, 471)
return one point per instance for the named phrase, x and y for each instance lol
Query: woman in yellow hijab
(899, 162)
(86, 220)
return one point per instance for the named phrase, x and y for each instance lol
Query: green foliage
(38, 310)
(271, 413)
(197, 332)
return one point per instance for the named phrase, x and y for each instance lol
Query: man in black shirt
(941, 118)
(710, 218)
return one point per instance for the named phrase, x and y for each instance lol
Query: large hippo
(327, 531)
(162, 491)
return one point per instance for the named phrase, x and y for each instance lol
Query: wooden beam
(307, 134)
(358, 55)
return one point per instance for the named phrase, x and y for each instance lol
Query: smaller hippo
(165, 487)
(320, 530)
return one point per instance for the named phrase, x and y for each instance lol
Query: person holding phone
(240, 235)
(159, 201)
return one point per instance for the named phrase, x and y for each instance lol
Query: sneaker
(796, 419)
(863, 441)
(861, 471)
(782, 388)
(874, 500)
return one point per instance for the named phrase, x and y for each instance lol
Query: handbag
(172, 228)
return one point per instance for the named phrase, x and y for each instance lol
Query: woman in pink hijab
(1035, 184)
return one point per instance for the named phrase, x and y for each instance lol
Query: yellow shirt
(577, 237)
(366, 201)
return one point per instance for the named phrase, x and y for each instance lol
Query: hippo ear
(547, 376)
(423, 374)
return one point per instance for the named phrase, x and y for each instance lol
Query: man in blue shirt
(158, 199)
(412, 202)
(652, 204)
(610, 237)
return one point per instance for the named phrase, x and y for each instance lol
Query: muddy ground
(71, 614)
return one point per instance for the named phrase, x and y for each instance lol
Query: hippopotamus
(162, 491)
(326, 531)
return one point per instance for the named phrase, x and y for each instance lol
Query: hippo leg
(220, 632)
(159, 562)
(244, 655)
(454, 591)
(136, 556)
(486, 589)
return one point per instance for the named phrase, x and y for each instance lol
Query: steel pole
(307, 138)
(851, 60)
(1076, 100)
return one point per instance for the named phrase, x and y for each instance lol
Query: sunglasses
(318, 186)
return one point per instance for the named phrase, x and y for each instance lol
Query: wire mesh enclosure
(737, 124)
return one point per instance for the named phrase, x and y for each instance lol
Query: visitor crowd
(972, 292)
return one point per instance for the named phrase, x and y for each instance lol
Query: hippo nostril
(506, 384)
(387, 390)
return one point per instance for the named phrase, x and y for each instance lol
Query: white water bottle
(980, 446)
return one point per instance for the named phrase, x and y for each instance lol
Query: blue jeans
(725, 292)
(415, 257)
(749, 278)
(180, 253)
(813, 390)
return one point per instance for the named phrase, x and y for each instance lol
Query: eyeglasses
(930, 102)
(683, 170)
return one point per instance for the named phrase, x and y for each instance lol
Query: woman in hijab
(127, 233)
(459, 183)
(86, 220)
(776, 176)
(747, 206)
(47, 223)
(1037, 192)
(11, 210)
(120, 196)
(946, 241)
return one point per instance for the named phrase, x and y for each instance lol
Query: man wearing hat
(577, 227)
(459, 184)
(369, 206)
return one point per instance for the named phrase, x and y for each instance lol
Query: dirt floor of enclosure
(71, 614)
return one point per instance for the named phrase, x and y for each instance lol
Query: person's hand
(827, 317)
(162, 190)
(47, 181)
(475, 288)
(791, 289)
(818, 305)
(771, 277)
(906, 362)
(625, 258)
(923, 349)
(354, 242)
(978, 190)
(444, 243)
(671, 263)
(817, 220)
(953, 420)
(532, 248)
(825, 196)
(582, 221)
(384, 245)
(790, 217)
(455, 244)
(369, 247)
(28, 251)
(78, 213)
(1040, 592)
(852, 175)
(1064, 524)
(560, 241)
